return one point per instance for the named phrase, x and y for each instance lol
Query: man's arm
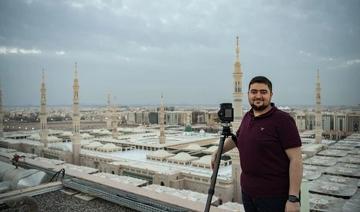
(229, 144)
(295, 176)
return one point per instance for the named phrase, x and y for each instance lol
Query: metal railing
(136, 202)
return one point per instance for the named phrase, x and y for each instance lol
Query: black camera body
(226, 113)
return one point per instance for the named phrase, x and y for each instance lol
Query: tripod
(225, 133)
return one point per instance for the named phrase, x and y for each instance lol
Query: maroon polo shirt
(262, 142)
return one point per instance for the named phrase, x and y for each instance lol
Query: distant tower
(114, 122)
(76, 120)
(238, 115)
(108, 113)
(1, 116)
(237, 95)
(188, 127)
(43, 115)
(318, 119)
(162, 120)
(188, 118)
(198, 119)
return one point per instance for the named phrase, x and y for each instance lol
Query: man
(15, 160)
(270, 156)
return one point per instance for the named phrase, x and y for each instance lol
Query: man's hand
(229, 144)
(292, 207)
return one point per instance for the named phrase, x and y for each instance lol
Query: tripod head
(226, 130)
(226, 113)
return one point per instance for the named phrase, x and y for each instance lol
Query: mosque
(155, 159)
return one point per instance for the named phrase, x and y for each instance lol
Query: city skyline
(184, 49)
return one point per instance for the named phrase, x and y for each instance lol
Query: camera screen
(228, 112)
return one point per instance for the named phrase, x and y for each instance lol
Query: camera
(226, 113)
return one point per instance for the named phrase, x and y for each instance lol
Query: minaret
(238, 115)
(188, 121)
(318, 118)
(43, 115)
(188, 127)
(108, 113)
(1, 116)
(237, 94)
(162, 120)
(76, 120)
(114, 122)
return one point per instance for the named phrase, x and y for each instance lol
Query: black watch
(293, 198)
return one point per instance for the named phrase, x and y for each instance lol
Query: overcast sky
(138, 49)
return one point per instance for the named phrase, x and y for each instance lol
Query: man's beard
(259, 108)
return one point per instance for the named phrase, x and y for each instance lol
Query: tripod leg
(211, 190)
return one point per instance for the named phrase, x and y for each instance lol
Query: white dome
(67, 133)
(109, 146)
(194, 147)
(182, 156)
(60, 146)
(86, 135)
(102, 131)
(54, 139)
(95, 144)
(160, 154)
(211, 149)
(206, 160)
(34, 137)
(85, 142)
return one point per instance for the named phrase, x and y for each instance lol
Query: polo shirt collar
(271, 111)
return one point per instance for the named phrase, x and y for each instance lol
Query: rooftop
(332, 169)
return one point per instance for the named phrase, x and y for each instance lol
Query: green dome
(188, 128)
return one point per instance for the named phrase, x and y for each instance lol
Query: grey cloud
(186, 49)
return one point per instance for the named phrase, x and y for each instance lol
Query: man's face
(259, 96)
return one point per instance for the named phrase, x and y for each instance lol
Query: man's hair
(261, 79)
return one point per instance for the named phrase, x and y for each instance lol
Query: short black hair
(261, 79)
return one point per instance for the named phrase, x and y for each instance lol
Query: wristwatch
(293, 198)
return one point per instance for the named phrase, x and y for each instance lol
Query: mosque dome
(203, 161)
(193, 147)
(67, 133)
(53, 139)
(86, 136)
(188, 128)
(160, 154)
(211, 149)
(109, 147)
(93, 145)
(182, 156)
(101, 132)
(60, 147)
(85, 142)
(34, 136)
